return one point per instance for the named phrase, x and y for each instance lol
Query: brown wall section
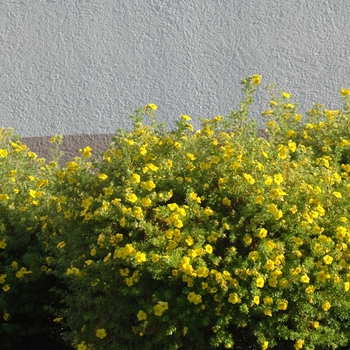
(72, 143)
(70, 146)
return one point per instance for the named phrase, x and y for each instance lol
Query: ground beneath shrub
(42, 341)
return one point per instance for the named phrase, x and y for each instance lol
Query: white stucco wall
(82, 66)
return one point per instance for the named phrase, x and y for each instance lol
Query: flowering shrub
(24, 286)
(207, 239)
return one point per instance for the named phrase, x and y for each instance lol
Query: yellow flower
(298, 117)
(135, 178)
(61, 245)
(326, 306)
(102, 176)
(316, 324)
(190, 156)
(3, 153)
(6, 287)
(177, 145)
(282, 305)
(208, 248)
(141, 315)
(140, 257)
(285, 95)
(309, 289)
(86, 203)
(327, 259)
(264, 345)
(160, 308)
(132, 197)
(4, 197)
(278, 179)
(267, 112)
(33, 193)
(337, 194)
(226, 202)
(6, 315)
(205, 285)
(2, 278)
(146, 202)
(151, 106)
(292, 146)
(233, 298)
(254, 255)
(72, 271)
(268, 300)
(194, 196)
(262, 233)
(298, 344)
(247, 239)
(305, 278)
(273, 282)
(21, 272)
(101, 333)
(256, 79)
(268, 180)
(93, 252)
(256, 300)
(155, 258)
(249, 178)
(106, 258)
(272, 208)
(345, 92)
(82, 346)
(148, 185)
(292, 134)
(122, 222)
(86, 152)
(295, 271)
(3, 243)
(268, 312)
(208, 212)
(150, 166)
(194, 298)
(344, 143)
(172, 206)
(88, 216)
(283, 152)
(259, 199)
(270, 265)
(260, 282)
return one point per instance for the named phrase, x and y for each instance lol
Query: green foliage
(215, 238)
(24, 284)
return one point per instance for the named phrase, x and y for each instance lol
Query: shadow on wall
(70, 146)
(72, 143)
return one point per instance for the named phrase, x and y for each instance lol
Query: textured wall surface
(82, 66)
